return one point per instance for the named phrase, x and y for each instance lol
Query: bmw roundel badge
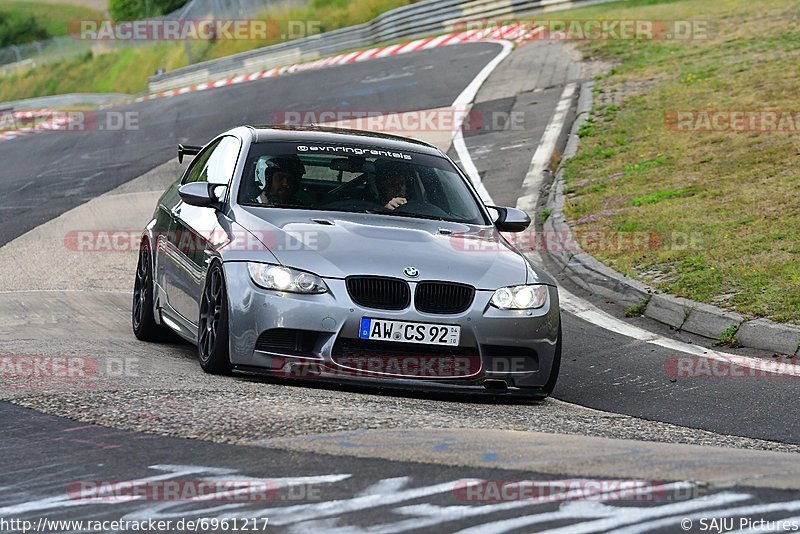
(411, 272)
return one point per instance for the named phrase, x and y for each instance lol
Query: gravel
(240, 411)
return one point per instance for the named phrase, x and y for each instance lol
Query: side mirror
(200, 194)
(511, 219)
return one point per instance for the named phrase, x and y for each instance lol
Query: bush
(142, 9)
(20, 29)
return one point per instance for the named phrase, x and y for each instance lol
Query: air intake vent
(406, 359)
(379, 293)
(287, 341)
(443, 297)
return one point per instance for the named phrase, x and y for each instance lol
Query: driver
(391, 183)
(278, 178)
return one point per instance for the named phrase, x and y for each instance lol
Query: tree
(142, 9)
(17, 28)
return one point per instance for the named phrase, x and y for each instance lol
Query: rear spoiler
(187, 150)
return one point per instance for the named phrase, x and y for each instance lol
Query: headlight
(520, 297)
(282, 278)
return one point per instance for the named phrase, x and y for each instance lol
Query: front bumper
(501, 352)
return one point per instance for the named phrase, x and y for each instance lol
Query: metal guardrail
(33, 54)
(424, 18)
(65, 101)
(66, 47)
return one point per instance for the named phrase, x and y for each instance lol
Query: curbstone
(672, 311)
(768, 335)
(552, 232)
(710, 321)
(581, 267)
(606, 282)
(680, 313)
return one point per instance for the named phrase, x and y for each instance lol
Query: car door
(168, 258)
(195, 229)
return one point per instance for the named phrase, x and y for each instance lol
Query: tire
(143, 318)
(551, 381)
(212, 332)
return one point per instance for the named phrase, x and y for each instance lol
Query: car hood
(337, 245)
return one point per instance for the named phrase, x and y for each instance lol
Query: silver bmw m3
(347, 257)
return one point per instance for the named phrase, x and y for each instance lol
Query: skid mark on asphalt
(592, 314)
(319, 501)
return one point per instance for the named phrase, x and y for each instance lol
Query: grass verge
(126, 71)
(54, 17)
(722, 203)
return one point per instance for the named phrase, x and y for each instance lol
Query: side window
(216, 164)
(222, 162)
(197, 171)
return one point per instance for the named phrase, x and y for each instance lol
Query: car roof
(331, 135)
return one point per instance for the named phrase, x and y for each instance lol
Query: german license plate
(405, 332)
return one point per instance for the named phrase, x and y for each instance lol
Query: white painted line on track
(591, 314)
(591, 508)
(631, 515)
(461, 102)
(341, 59)
(547, 144)
(570, 303)
(757, 510)
(468, 94)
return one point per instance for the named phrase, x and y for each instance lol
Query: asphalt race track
(610, 386)
(377, 496)
(45, 175)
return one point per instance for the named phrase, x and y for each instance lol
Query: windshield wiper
(360, 210)
(413, 215)
(311, 208)
(286, 206)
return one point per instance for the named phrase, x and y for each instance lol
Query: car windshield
(362, 180)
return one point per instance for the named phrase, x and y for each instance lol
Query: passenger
(391, 182)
